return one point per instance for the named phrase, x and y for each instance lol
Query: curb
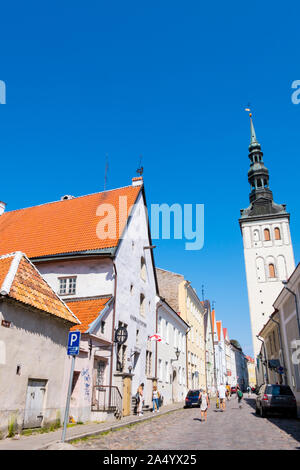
(109, 428)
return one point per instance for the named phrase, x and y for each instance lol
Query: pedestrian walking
(155, 399)
(249, 391)
(228, 392)
(239, 395)
(222, 396)
(204, 404)
(140, 400)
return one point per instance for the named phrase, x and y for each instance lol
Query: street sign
(73, 350)
(73, 343)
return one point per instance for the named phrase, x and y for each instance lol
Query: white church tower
(268, 249)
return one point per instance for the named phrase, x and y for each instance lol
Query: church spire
(252, 130)
(258, 174)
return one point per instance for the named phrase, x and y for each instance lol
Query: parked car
(276, 398)
(192, 398)
(233, 390)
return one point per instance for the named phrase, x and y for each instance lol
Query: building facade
(287, 305)
(34, 327)
(171, 354)
(184, 300)
(211, 380)
(268, 249)
(97, 255)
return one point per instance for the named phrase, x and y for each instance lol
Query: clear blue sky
(168, 80)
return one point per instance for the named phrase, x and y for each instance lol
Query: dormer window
(67, 285)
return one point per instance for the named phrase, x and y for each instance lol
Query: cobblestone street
(233, 429)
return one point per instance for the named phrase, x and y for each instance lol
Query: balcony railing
(107, 398)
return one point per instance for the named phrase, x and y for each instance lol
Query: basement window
(67, 285)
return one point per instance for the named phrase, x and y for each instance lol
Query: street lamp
(177, 352)
(296, 302)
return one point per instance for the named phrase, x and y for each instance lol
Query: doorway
(34, 407)
(126, 395)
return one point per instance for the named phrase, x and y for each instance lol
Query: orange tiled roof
(213, 319)
(87, 311)
(219, 326)
(64, 226)
(21, 281)
(225, 332)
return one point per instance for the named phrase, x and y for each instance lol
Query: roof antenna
(203, 292)
(106, 171)
(213, 303)
(140, 169)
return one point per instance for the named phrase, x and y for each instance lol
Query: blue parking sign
(73, 343)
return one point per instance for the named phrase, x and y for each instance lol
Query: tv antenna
(140, 169)
(203, 292)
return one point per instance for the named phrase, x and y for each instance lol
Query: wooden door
(126, 396)
(34, 403)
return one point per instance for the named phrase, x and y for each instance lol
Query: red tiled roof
(21, 281)
(87, 311)
(65, 226)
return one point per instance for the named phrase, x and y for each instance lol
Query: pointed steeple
(261, 197)
(258, 175)
(252, 131)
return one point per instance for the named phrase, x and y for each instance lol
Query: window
(142, 304)
(102, 326)
(167, 332)
(148, 363)
(167, 372)
(267, 234)
(143, 268)
(271, 270)
(160, 371)
(277, 233)
(67, 285)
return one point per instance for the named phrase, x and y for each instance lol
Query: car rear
(279, 399)
(192, 398)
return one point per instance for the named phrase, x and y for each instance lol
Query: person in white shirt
(222, 396)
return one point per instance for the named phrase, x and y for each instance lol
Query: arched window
(143, 268)
(271, 270)
(267, 234)
(277, 233)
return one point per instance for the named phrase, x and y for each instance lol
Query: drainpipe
(265, 354)
(156, 327)
(280, 340)
(186, 358)
(113, 331)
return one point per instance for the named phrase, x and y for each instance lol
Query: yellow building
(184, 300)
(251, 371)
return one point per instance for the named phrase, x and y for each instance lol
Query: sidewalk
(42, 441)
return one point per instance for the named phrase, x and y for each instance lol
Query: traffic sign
(73, 343)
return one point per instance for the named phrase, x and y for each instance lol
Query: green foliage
(12, 426)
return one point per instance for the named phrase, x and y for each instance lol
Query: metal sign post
(73, 350)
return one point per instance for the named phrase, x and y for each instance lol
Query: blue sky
(170, 81)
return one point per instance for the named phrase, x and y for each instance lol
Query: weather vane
(248, 109)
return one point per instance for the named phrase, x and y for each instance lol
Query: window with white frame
(167, 372)
(67, 285)
(160, 369)
(167, 332)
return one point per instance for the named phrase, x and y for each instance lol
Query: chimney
(137, 181)
(2, 207)
(66, 197)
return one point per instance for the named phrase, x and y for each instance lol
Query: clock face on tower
(121, 335)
